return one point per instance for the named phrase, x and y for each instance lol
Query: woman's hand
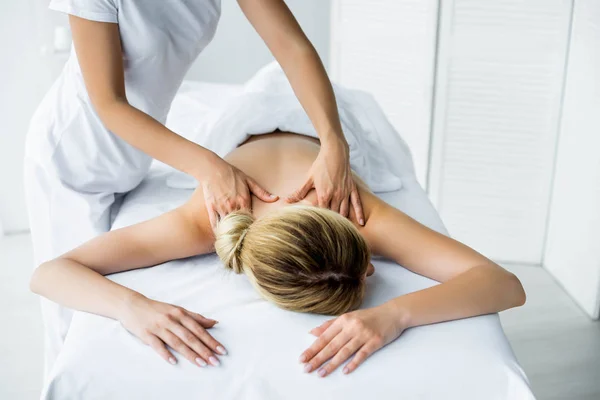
(228, 189)
(331, 176)
(159, 324)
(361, 333)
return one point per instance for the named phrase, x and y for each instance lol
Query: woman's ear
(370, 269)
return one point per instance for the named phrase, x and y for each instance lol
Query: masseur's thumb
(300, 193)
(261, 193)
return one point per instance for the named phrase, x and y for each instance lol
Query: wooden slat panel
(500, 74)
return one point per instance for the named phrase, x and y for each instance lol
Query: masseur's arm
(471, 285)
(76, 280)
(98, 48)
(330, 174)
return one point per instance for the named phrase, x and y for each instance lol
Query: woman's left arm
(471, 285)
(330, 174)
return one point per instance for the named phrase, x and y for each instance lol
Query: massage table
(465, 359)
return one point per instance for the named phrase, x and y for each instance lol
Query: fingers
(240, 202)
(192, 347)
(159, 347)
(206, 338)
(360, 357)
(357, 205)
(324, 199)
(260, 192)
(179, 346)
(228, 206)
(213, 216)
(335, 204)
(344, 207)
(318, 331)
(300, 193)
(320, 343)
(203, 321)
(328, 351)
(342, 355)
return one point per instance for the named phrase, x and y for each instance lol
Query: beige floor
(557, 345)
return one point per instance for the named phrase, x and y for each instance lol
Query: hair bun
(230, 234)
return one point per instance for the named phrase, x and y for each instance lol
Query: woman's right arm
(76, 280)
(99, 52)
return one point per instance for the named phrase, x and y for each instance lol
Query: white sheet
(466, 359)
(267, 103)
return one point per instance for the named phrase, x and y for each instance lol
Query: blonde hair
(301, 258)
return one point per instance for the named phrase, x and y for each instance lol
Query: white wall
(27, 26)
(388, 50)
(237, 51)
(573, 247)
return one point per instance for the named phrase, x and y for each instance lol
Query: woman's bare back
(279, 162)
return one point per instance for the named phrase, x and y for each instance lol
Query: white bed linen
(466, 359)
(268, 103)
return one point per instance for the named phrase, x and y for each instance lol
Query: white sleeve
(94, 10)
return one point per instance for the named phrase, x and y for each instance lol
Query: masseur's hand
(227, 189)
(331, 177)
(359, 333)
(160, 325)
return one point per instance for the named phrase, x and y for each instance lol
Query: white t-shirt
(160, 40)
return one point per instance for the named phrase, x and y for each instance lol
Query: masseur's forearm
(75, 286)
(480, 290)
(277, 26)
(150, 136)
(310, 82)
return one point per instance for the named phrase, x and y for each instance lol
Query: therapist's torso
(160, 40)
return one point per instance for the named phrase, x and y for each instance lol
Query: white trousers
(61, 218)
(74, 172)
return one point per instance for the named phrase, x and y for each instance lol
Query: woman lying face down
(300, 257)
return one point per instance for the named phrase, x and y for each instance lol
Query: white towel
(268, 103)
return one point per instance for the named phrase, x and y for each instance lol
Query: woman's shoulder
(194, 209)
